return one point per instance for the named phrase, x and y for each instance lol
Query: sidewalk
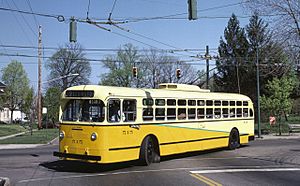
(276, 136)
(23, 146)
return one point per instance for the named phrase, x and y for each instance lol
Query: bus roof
(164, 91)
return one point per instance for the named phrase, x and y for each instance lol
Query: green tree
(233, 53)
(120, 68)
(66, 61)
(17, 85)
(277, 101)
(28, 102)
(154, 67)
(51, 102)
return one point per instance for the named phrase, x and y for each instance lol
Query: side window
(192, 113)
(181, 102)
(148, 114)
(192, 102)
(171, 102)
(114, 110)
(160, 102)
(181, 115)
(147, 102)
(160, 113)
(245, 112)
(217, 113)
(209, 113)
(225, 112)
(217, 103)
(239, 112)
(200, 102)
(171, 113)
(251, 113)
(129, 110)
(224, 103)
(209, 103)
(232, 112)
(200, 113)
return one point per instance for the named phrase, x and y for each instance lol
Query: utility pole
(39, 105)
(207, 65)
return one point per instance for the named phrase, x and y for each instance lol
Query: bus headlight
(94, 136)
(61, 135)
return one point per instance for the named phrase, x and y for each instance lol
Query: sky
(174, 33)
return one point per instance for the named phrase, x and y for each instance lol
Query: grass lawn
(8, 129)
(42, 136)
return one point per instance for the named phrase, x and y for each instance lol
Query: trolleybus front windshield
(87, 110)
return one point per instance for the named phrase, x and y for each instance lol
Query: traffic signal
(192, 4)
(178, 73)
(73, 30)
(134, 71)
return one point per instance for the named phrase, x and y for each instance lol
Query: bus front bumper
(76, 156)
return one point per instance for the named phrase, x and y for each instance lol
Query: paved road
(263, 162)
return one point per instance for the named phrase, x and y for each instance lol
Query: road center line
(244, 170)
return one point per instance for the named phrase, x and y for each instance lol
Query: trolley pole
(207, 65)
(39, 105)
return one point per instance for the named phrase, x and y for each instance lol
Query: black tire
(147, 153)
(234, 139)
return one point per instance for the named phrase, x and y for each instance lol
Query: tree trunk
(11, 116)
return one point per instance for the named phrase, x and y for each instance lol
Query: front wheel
(147, 153)
(234, 139)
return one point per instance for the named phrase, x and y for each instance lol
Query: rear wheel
(234, 139)
(147, 153)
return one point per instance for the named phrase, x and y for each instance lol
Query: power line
(31, 10)
(60, 18)
(26, 22)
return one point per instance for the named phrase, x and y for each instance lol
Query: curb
(4, 181)
(274, 137)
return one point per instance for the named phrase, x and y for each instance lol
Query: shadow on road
(85, 167)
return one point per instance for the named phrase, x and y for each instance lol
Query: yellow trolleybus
(105, 124)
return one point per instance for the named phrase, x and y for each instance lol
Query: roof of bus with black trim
(104, 92)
